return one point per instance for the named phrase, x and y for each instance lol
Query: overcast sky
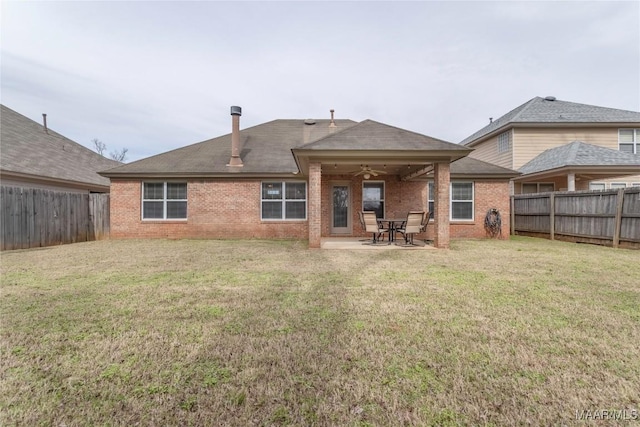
(154, 76)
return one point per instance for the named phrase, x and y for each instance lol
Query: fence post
(513, 215)
(618, 223)
(552, 216)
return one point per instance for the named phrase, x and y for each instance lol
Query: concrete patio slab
(354, 243)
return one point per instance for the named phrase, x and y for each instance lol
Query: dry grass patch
(524, 332)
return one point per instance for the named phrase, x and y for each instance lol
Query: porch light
(366, 176)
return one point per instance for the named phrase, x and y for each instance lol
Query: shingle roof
(266, 148)
(543, 110)
(372, 135)
(579, 153)
(474, 167)
(28, 149)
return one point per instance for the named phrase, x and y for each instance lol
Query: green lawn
(205, 332)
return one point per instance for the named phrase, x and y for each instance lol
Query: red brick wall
(487, 195)
(216, 209)
(314, 198)
(231, 209)
(441, 205)
(400, 198)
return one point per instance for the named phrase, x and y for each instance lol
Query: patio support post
(441, 204)
(571, 182)
(315, 205)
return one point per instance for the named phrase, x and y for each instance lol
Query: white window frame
(635, 144)
(164, 201)
(431, 201)
(384, 191)
(604, 186)
(504, 142)
(635, 184)
(617, 185)
(284, 200)
(472, 201)
(537, 184)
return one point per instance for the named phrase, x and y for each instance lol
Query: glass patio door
(340, 209)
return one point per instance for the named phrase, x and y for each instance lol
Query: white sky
(154, 76)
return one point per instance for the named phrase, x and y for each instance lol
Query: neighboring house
(34, 156)
(306, 179)
(559, 146)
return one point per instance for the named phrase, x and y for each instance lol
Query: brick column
(441, 204)
(315, 205)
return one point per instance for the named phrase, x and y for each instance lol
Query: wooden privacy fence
(609, 217)
(35, 217)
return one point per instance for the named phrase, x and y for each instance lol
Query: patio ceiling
(403, 163)
(391, 168)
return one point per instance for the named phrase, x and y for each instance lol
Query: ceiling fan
(367, 172)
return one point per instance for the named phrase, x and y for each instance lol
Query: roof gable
(579, 153)
(552, 111)
(30, 150)
(372, 135)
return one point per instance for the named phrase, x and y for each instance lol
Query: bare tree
(99, 146)
(119, 156)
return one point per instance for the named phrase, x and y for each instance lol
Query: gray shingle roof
(579, 153)
(372, 135)
(266, 148)
(28, 149)
(541, 110)
(474, 167)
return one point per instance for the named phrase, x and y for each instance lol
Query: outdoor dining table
(393, 225)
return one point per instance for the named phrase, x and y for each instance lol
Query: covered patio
(396, 160)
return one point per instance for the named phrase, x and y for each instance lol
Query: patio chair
(411, 226)
(372, 226)
(362, 224)
(425, 221)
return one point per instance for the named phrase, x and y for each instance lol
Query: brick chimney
(235, 159)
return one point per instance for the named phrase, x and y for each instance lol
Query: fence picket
(610, 217)
(38, 217)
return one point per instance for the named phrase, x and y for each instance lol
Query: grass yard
(203, 332)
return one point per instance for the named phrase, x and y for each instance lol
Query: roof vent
(310, 122)
(550, 98)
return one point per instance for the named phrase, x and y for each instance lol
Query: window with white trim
(616, 185)
(164, 200)
(537, 187)
(635, 184)
(597, 186)
(462, 201)
(629, 140)
(373, 197)
(284, 200)
(504, 142)
(431, 199)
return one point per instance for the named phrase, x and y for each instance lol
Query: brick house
(306, 179)
(562, 146)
